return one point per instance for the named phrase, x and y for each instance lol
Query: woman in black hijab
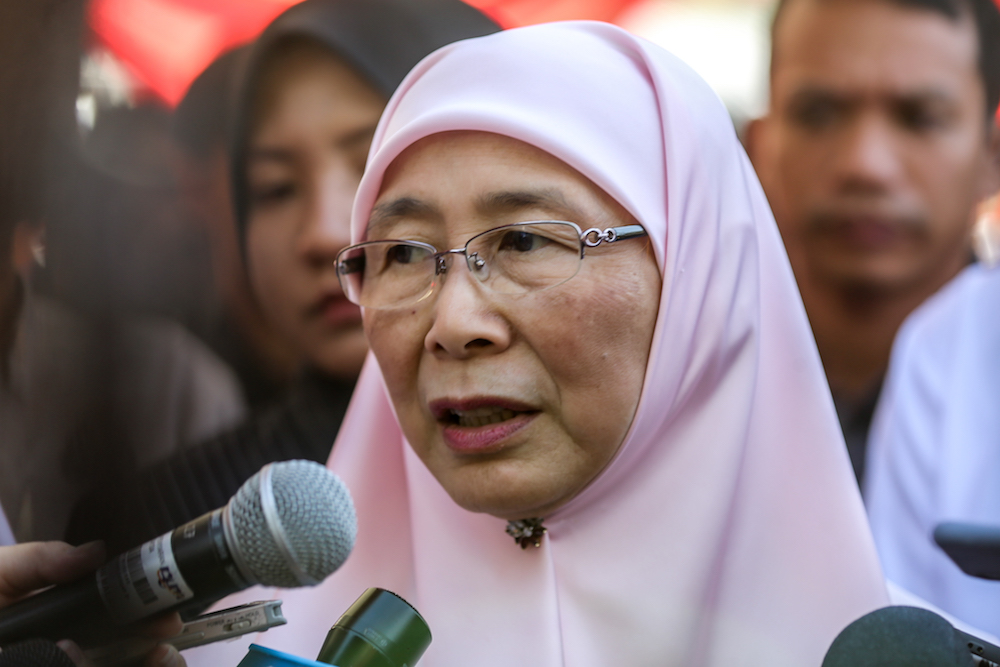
(315, 84)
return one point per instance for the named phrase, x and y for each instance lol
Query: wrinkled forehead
(478, 180)
(568, 93)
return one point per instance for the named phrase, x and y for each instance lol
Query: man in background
(878, 145)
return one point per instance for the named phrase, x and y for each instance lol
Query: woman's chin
(514, 483)
(509, 506)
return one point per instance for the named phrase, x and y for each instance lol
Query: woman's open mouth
(480, 428)
(479, 416)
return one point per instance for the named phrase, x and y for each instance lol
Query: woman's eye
(400, 254)
(273, 193)
(521, 241)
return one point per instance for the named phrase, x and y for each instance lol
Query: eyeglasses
(513, 259)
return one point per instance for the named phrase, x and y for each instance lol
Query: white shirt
(934, 449)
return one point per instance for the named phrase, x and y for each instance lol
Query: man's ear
(990, 181)
(752, 139)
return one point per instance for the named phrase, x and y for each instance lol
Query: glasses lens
(382, 274)
(523, 258)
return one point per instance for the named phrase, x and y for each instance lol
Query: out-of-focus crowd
(171, 318)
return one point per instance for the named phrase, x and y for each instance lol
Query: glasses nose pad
(478, 267)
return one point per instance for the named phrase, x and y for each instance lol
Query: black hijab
(381, 39)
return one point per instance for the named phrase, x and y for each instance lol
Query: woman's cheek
(396, 340)
(578, 336)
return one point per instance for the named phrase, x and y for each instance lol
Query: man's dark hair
(984, 14)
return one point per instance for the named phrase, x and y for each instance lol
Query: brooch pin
(526, 532)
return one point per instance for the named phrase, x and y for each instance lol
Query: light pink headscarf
(728, 530)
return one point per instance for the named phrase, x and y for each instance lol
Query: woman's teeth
(481, 416)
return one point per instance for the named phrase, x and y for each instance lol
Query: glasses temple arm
(629, 232)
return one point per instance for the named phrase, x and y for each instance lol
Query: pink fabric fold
(728, 530)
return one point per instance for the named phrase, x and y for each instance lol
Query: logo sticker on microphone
(143, 581)
(166, 580)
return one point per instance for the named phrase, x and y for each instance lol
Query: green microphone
(380, 629)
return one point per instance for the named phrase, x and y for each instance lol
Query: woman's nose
(466, 323)
(327, 229)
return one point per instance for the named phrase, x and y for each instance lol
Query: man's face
(875, 151)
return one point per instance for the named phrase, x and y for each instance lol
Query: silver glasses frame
(591, 238)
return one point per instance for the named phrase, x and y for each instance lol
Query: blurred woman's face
(514, 403)
(313, 122)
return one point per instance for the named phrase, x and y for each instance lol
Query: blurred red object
(513, 13)
(165, 44)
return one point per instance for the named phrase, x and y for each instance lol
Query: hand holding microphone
(25, 568)
(290, 525)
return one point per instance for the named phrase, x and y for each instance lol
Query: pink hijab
(728, 530)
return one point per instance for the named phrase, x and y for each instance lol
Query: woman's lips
(480, 426)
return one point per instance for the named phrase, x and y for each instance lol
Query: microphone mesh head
(316, 513)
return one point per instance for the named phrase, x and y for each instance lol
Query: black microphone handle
(987, 653)
(34, 653)
(192, 563)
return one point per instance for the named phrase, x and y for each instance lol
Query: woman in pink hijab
(621, 376)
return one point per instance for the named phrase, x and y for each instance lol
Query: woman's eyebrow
(549, 200)
(403, 207)
(514, 201)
